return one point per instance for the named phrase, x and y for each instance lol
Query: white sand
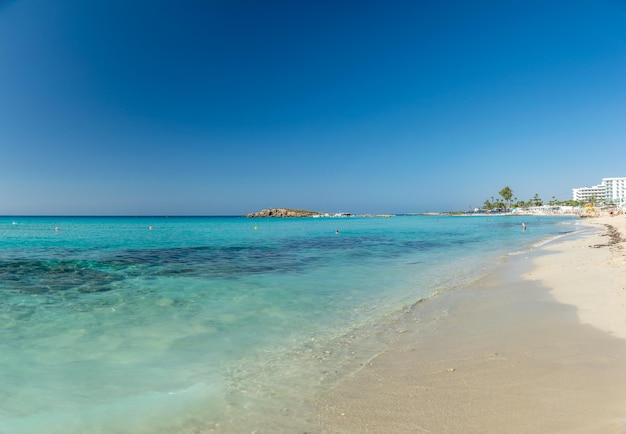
(506, 357)
(593, 279)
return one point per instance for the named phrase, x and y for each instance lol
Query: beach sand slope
(504, 356)
(590, 273)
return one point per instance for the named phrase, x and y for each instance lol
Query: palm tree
(506, 194)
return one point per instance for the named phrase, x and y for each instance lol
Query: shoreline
(589, 273)
(534, 347)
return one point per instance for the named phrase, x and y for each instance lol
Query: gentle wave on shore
(538, 345)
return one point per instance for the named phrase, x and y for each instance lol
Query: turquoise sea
(216, 324)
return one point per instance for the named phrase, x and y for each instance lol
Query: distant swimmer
(337, 232)
(523, 226)
(150, 228)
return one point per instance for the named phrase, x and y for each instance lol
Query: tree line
(507, 200)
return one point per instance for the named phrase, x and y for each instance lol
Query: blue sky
(225, 107)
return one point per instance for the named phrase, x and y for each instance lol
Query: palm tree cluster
(507, 201)
(501, 203)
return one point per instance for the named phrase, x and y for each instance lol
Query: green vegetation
(507, 201)
(506, 193)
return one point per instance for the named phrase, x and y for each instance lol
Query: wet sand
(540, 346)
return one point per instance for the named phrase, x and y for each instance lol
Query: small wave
(548, 240)
(518, 252)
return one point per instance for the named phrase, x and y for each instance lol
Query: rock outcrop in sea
(284, 212)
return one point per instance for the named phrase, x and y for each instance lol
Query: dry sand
(505, 356)
(590, 274)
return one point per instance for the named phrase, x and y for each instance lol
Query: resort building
(586, 194)
(615, 190)
(612, 190)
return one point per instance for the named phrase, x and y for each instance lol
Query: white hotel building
(612, 190)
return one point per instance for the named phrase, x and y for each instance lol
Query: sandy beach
(539, 346)
(590, 274)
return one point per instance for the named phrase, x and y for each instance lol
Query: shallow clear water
(218, 323)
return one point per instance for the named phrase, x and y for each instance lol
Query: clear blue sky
(225, 107)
